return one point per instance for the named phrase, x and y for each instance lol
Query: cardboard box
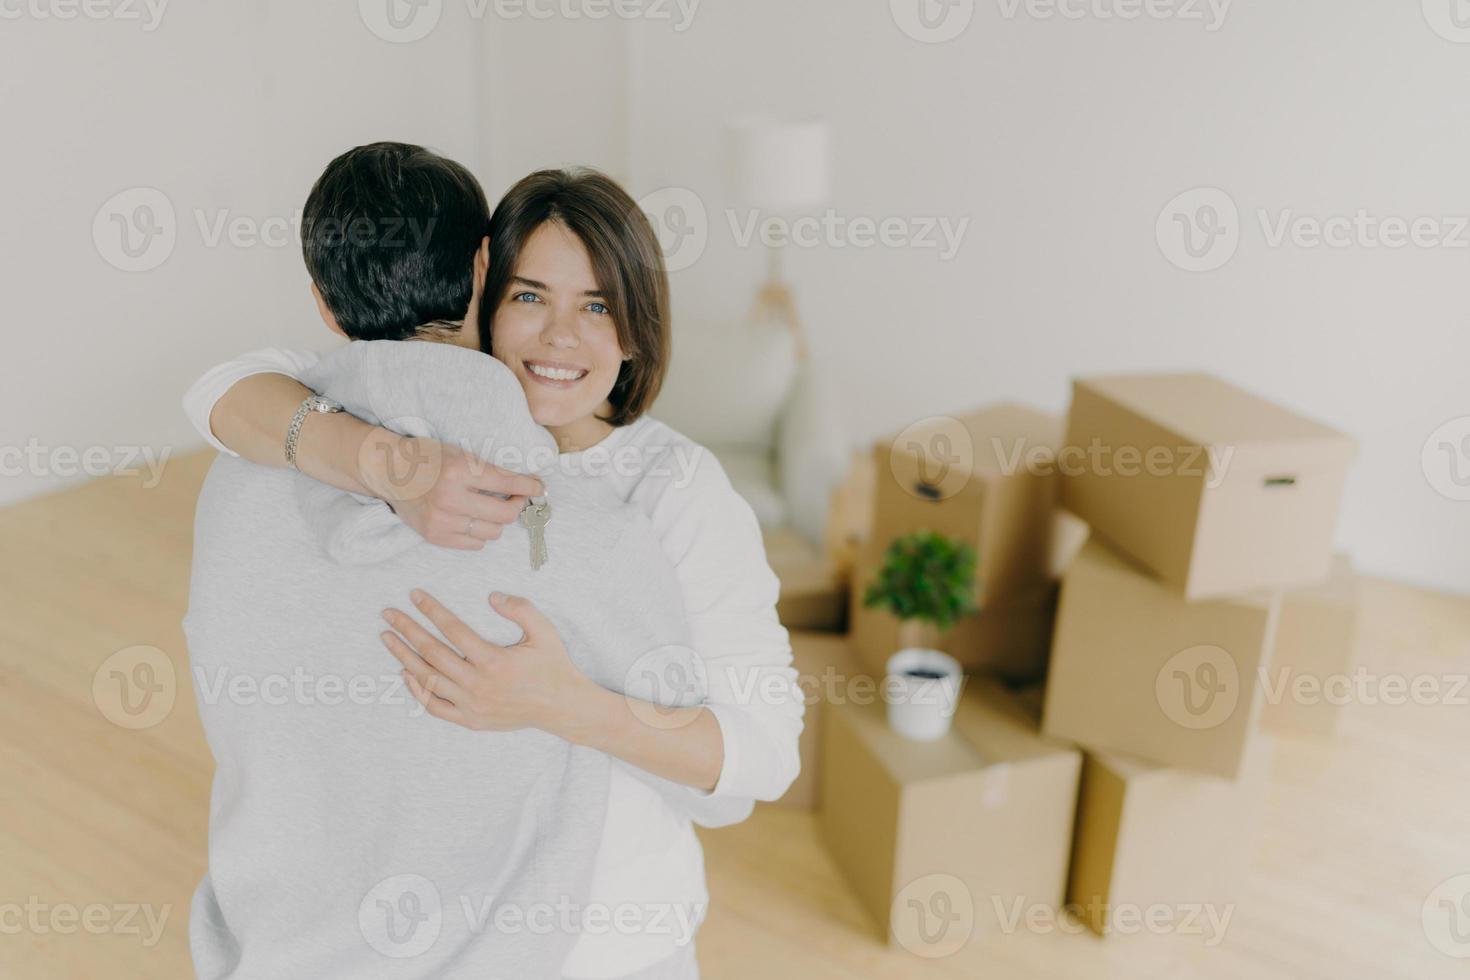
(1137, 669)
(826, 666)
(813, 590)
(988, 479)
(970, 826)
(1218, 492)
(1316, 648)
(1009, 637)
(1160, 841)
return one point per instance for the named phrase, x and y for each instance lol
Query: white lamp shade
(778, 165)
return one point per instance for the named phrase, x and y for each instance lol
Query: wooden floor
(1359, 829)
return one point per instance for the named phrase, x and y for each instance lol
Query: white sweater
(650, 855)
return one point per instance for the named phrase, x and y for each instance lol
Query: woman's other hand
(534, 684)
(483, 686)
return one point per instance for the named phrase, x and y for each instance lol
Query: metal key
(534, 518)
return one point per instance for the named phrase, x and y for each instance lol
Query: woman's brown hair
(626, 258)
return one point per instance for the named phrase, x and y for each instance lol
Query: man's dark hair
(389, 233)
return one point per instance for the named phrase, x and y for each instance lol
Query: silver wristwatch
(315, 403)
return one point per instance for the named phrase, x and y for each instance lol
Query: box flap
(1069, 534)
(999, 436)
(1208, 411)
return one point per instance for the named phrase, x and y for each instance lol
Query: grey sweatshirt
(352, 835)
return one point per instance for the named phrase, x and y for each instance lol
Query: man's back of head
(389, 234)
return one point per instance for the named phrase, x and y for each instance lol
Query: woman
(574, 300)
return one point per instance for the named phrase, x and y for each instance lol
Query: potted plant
(927, 581)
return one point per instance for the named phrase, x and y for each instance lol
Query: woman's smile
(555, 374)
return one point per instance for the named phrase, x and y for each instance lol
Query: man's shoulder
(408, 354)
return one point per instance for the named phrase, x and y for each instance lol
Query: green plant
(926, 576)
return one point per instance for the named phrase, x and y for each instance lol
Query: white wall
(1060, 141)
(555, 94)
(228, 109)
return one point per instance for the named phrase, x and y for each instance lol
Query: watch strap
(312, 403)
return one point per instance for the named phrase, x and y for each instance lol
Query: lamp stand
(776, 301)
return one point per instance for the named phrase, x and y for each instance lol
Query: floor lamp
(778, 168)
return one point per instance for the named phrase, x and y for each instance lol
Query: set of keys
(534, 518)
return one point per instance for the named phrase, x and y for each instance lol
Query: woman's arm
(211, 386)
(685, 745)
(534, 684)
(712, 537)
(244, 408)
(250, 419)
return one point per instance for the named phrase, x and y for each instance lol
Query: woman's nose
(560, 330)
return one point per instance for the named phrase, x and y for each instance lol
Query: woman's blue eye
(525, 298)
(598, 308)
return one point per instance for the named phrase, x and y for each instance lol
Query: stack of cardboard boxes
(951, 840)
(1211, 515)
(1206, 504)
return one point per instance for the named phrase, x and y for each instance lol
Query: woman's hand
(441, 491)
(480, 685)
(534, 684)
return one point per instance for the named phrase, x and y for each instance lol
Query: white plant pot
(922, 689)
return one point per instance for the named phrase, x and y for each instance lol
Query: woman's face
(554, 331)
